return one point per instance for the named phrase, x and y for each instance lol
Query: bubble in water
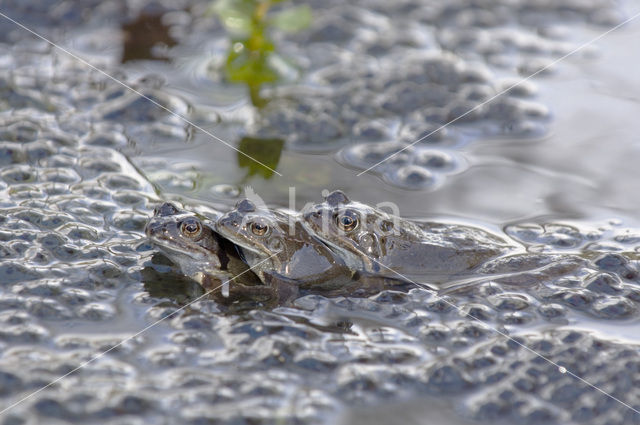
(226, 190)
(435, 160)
(364, 155)
(562, 369)
(410, 177)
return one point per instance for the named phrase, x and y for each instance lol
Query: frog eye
(347, 220)
(259, 228)
(191, 228)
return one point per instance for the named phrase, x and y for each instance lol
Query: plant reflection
(253, 58)
(142, 35)
(267, 150)
(162, 279)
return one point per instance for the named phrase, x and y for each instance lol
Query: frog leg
(366, 284)
(286, 289)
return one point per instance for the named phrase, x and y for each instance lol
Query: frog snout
(227, 223)
(150, 230)
(155, 229)
(230, 221)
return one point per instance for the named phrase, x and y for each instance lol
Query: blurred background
(323, 90)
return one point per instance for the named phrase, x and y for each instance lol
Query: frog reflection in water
(204, 255)
(294, 254)
(388, 245)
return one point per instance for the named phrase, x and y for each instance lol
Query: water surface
(84, 161)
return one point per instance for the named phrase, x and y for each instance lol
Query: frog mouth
(176, 248)
(245, 250)
(241, 253)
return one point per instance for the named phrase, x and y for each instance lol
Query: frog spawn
(69, 248)
(402, 165)
(72, 252)
(367, 107)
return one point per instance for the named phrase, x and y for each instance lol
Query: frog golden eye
(347, 220)
(191, 228)
(259, 228)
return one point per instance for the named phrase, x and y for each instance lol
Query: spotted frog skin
(203, 254)
(279, 247)
(387, 245)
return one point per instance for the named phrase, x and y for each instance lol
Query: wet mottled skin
(277, 245)
(202, 254)
(387, 245)
(183, 237)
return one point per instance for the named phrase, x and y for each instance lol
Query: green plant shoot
(251, 51)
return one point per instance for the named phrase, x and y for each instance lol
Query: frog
(281, 249)
(388, 245)
(205, 256)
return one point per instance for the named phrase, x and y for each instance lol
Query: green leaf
(235, 15)
(267, 151)
(292, 19)
(249, 67)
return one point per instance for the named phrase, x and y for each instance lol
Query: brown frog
(205, 256)
(387, 245)
(281, 249)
